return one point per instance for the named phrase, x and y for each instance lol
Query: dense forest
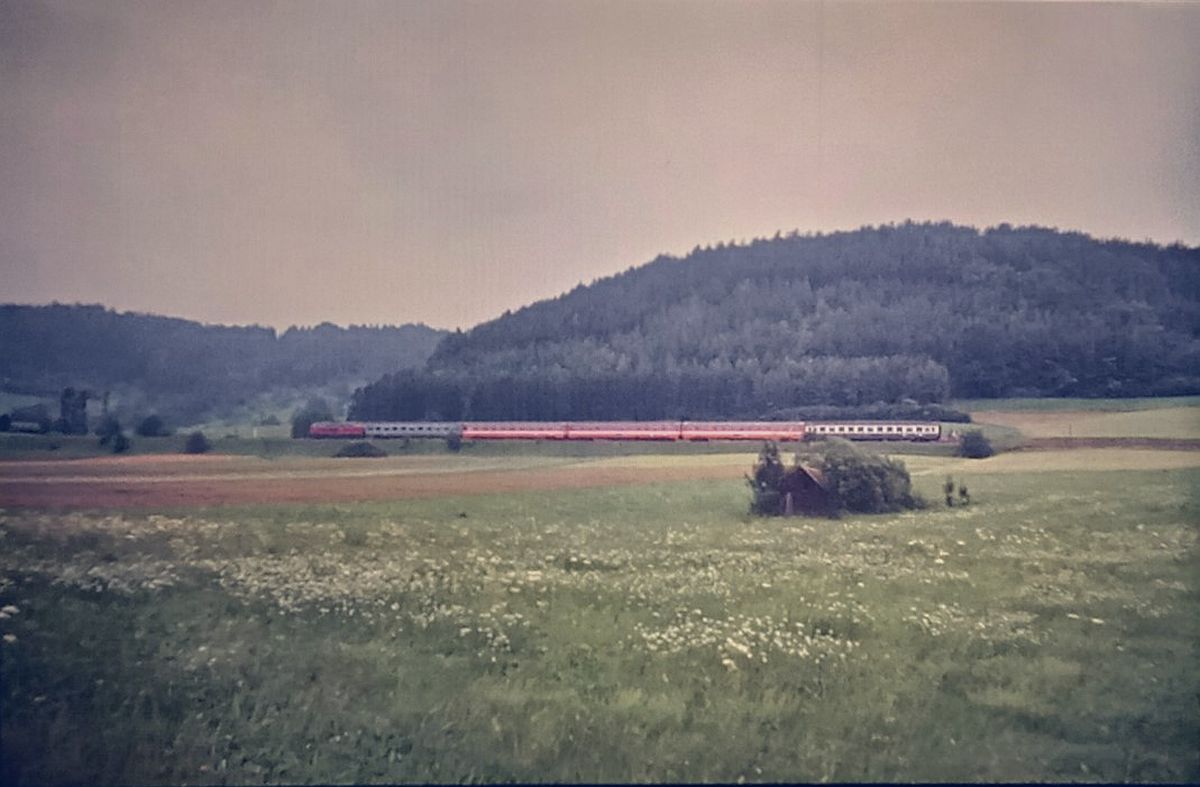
(897, 313)
(187, 369)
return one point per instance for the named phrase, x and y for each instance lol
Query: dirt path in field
(332, 485)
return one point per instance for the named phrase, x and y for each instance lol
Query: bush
(361, 449)
(862, 482)
(196, 443)
(454, 441)
(152, 426)
(974, 445)
(120, 443)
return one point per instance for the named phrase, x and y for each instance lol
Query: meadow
(649, 632)
(1159, 423)
(1006, 422)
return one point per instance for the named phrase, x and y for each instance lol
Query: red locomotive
(332, 429)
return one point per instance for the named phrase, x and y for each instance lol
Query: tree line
(188, 369)
(912, 312)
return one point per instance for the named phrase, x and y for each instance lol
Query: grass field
(1162, 423)
(648, 632)
(54, 446)
(12, 401)
(1076, 405)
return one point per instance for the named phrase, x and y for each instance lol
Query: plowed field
(149, 482)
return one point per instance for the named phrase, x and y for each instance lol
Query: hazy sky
(293, 162)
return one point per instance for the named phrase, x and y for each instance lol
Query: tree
(974, 445)
(152, 426)
(765, 481)
(316, 410)
(196, 443)
(109, 428)
(120, 443)
(73, 411)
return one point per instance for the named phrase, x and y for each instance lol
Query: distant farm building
(805, 491)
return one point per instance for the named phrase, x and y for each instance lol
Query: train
(779, 431)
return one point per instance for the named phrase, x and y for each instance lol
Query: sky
(288, 163)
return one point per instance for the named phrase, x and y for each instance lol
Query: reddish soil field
(97, 490)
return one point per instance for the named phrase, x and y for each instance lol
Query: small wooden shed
(805, 491)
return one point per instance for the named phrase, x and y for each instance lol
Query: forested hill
(920, 311)
(188, 368)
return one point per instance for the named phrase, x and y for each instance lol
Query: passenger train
(780, 431)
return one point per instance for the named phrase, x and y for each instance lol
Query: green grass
(657, 633)
(15, 446)
(1094, 405)
(12, 401)
(1160, 423)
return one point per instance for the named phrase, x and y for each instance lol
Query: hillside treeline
(186, 368)
(910, 312)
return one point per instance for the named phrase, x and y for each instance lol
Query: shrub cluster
(361, 450)
(152, 426)
(974, 445)
(196, 443)
(855, 480)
